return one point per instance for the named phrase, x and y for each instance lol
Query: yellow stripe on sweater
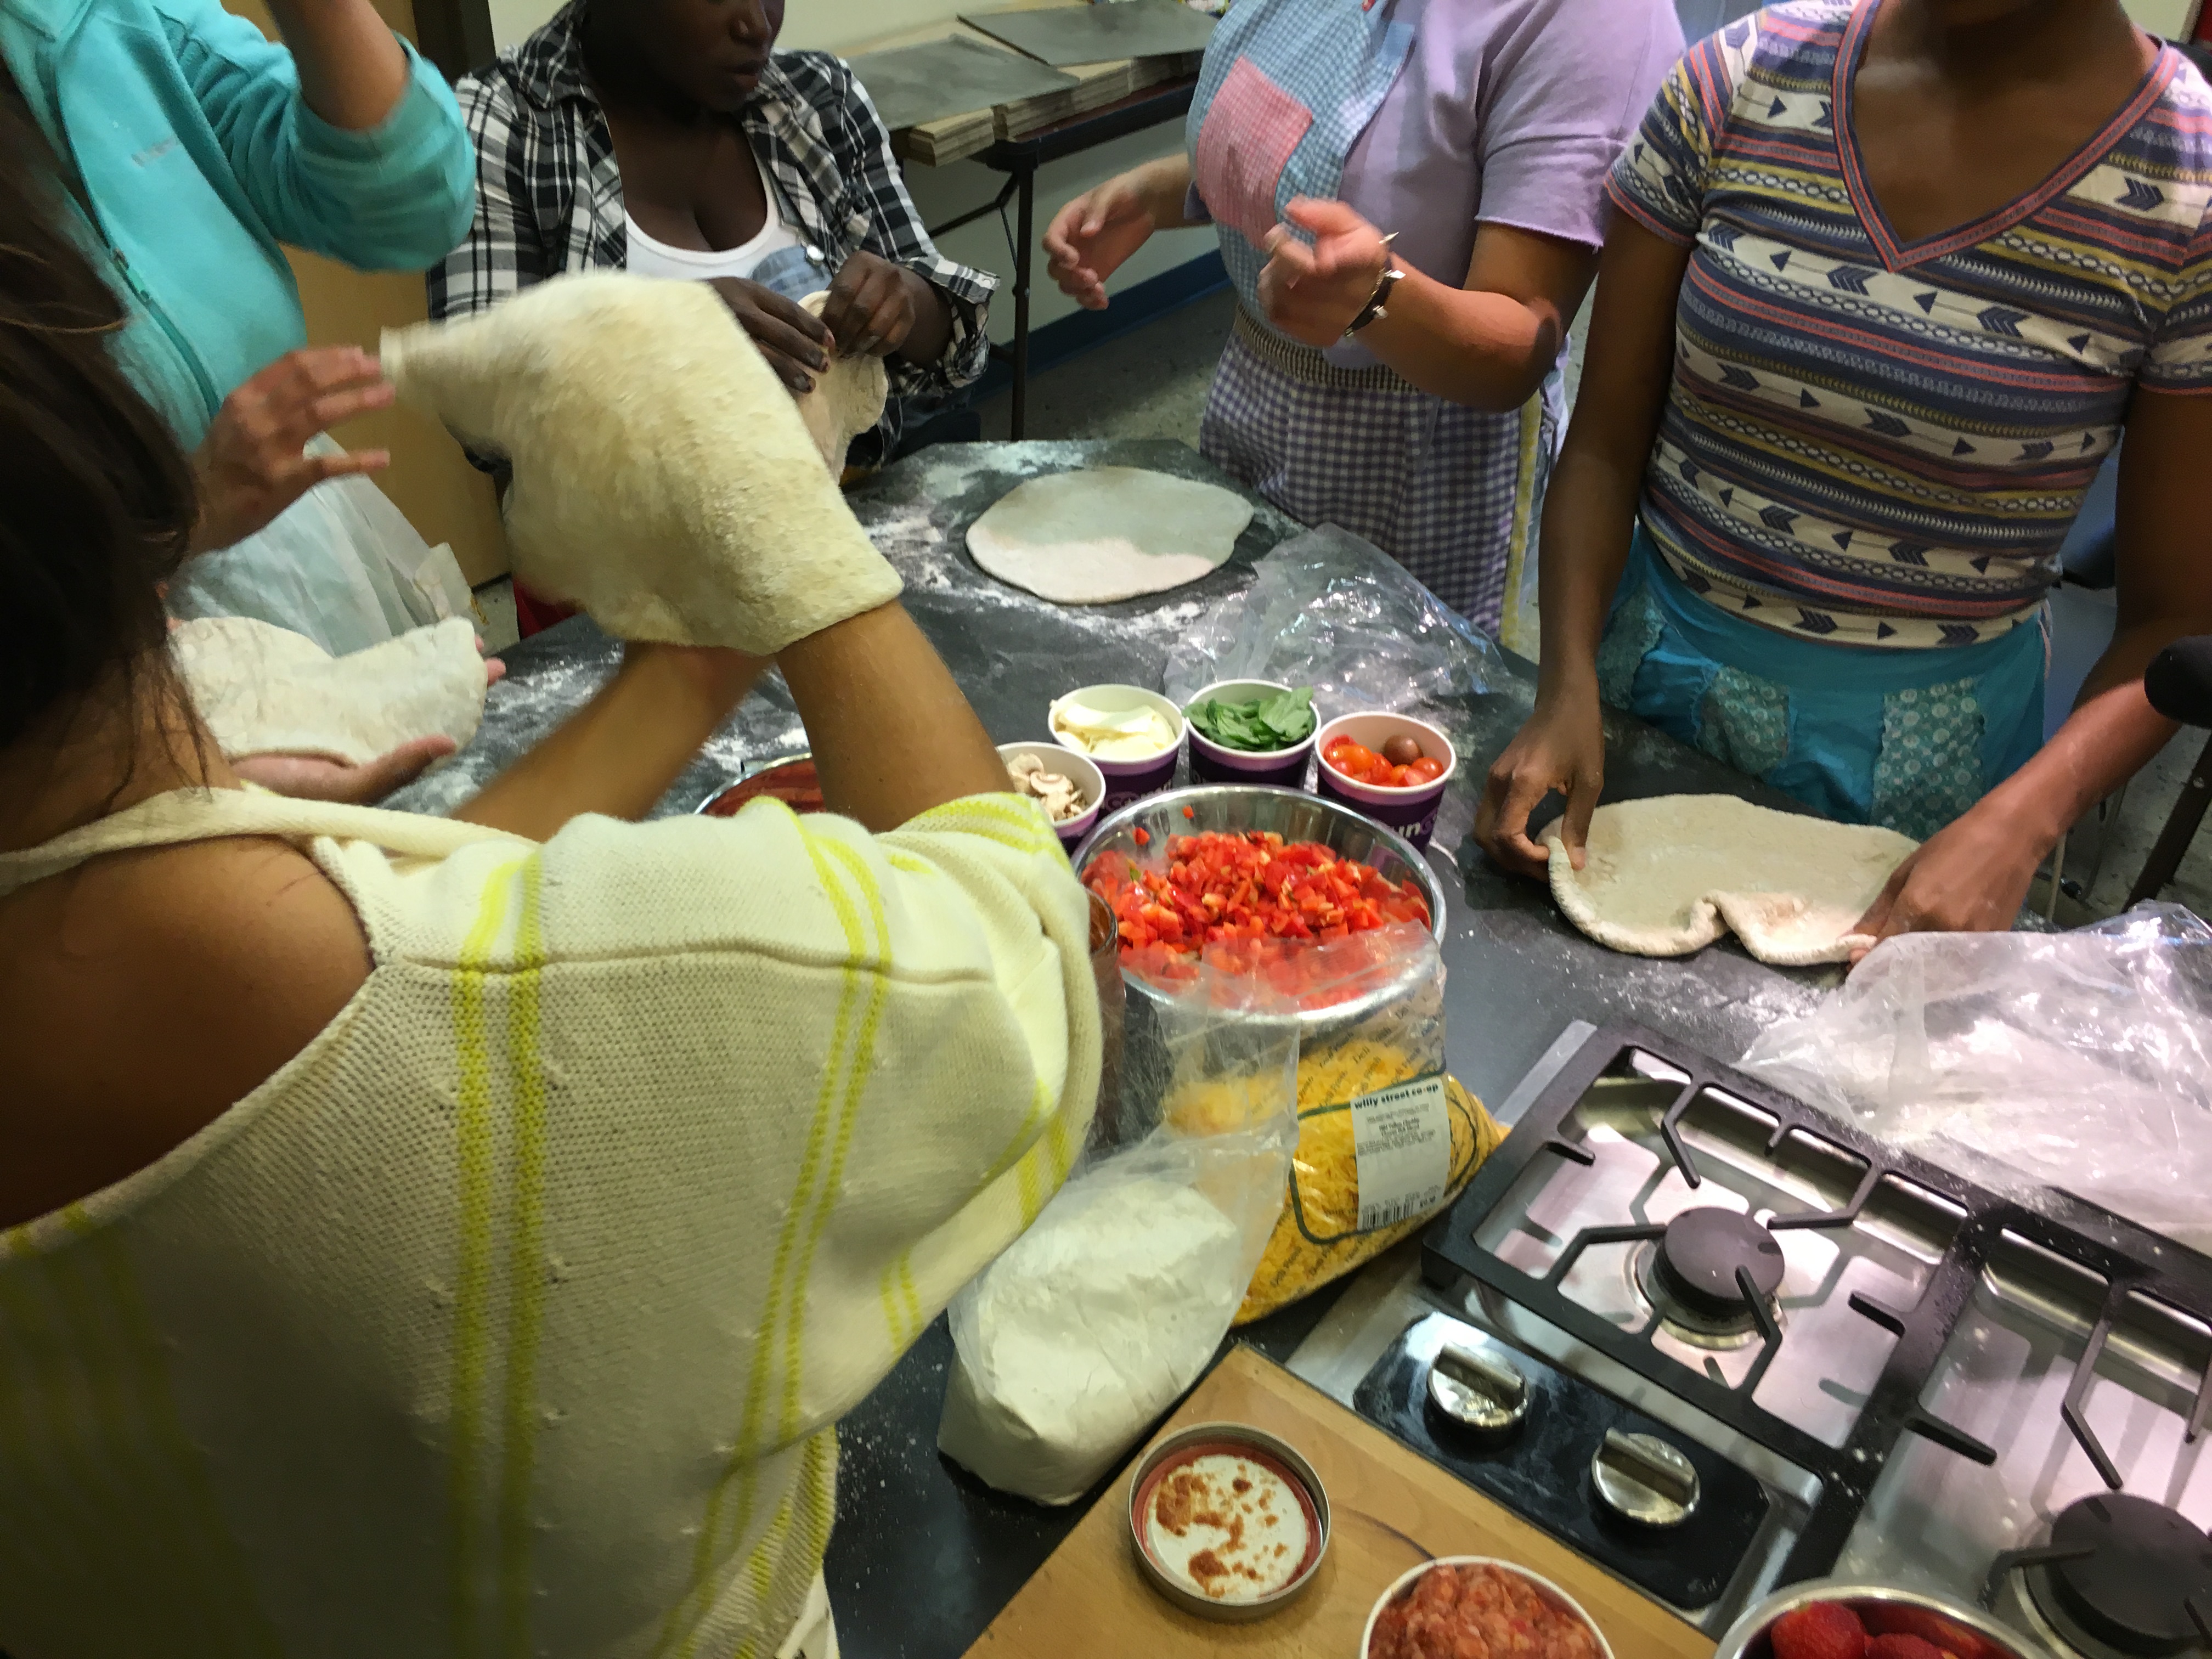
(56, 1423)
(229, 1583)
(741, 1472)
(779, 1576)
(856, 1083)
(525, 1291)
(472, 1271)
(182, 1557)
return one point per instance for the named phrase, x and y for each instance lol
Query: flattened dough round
(264, 689)
(1670, 875)
(1107, 533)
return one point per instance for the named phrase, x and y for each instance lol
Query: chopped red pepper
(1246, 903)
(1144, 836)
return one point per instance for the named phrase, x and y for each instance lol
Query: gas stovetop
(1719, 1342)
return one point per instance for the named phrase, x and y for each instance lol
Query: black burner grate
(2129, 1260)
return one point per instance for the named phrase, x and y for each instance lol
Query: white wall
(941, 193)
(2171, 19)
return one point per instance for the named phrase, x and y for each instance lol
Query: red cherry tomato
(1427, 769)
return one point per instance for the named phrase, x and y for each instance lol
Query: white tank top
(650, 257)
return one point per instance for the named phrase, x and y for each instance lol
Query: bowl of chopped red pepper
(1247, 879)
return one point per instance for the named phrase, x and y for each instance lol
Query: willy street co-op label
(1401, 1140)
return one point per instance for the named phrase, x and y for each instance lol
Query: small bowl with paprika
(1391, 768)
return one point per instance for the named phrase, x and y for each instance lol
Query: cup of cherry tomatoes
(1390, 768)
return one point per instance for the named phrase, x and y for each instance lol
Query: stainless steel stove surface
(1720, 1343)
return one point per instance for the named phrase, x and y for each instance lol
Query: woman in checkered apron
(1409, 197)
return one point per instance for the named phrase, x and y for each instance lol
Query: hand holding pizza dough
(663, 479)
(1668, 876)
(847, 399)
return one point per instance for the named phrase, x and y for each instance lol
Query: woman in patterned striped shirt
(1890, 279)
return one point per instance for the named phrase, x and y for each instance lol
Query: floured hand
(1971, 877)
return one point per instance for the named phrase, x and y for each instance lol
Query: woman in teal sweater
(193, 147)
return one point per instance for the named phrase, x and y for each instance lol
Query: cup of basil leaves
(1252, 732)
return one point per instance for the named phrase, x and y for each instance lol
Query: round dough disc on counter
(1108, 533)
(264, 689)
(1668, 876)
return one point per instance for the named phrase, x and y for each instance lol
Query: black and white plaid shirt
(549, 199)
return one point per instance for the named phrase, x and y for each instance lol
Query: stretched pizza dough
(266, 690)
(664, 480)
(1107, 533)
(846, 400)
(1668, 876)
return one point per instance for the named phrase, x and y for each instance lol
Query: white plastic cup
(1412, 812)
(1213, 763)
(1126, 780)
(1078, 768)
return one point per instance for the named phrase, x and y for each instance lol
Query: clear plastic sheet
(2080, 1060)
(1329, 610)
(340, 565)
(1097, 1319)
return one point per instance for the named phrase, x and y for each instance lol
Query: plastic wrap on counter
(2080, 1060)
(1331, 611)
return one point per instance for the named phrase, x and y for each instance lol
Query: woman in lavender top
(1410, 199)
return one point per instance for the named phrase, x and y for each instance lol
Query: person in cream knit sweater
(425, 1236)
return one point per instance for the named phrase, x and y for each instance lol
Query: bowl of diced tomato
(1246, 878)
(1391, 766)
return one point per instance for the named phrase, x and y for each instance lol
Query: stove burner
(1695, 1275)
(2132, 1575)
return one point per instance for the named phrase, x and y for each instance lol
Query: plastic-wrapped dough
(663, 479)
(266, 690)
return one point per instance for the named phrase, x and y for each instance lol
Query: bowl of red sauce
(1477, 1603)
(787, 778)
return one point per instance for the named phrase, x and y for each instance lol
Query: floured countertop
(921, 1560)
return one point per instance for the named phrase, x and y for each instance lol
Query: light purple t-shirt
(1510, 111)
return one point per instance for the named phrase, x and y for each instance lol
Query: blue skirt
(1906, 739)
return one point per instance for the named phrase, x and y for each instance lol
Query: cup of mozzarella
(1134, 737)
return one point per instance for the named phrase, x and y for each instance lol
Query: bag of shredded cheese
(1386, 1138)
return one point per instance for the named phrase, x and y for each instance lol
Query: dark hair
(96, 500)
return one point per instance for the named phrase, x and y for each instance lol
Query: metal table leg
(2180, 829)
(1024, 219)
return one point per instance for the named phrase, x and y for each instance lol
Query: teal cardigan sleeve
(397, 197)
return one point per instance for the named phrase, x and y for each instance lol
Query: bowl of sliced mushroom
(1065, 785)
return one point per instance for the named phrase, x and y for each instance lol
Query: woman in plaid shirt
(665, 137)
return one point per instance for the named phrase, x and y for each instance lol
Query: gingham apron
(1452, 493)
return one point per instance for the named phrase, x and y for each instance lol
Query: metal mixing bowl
(1294, 816)
(1972, 1634)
